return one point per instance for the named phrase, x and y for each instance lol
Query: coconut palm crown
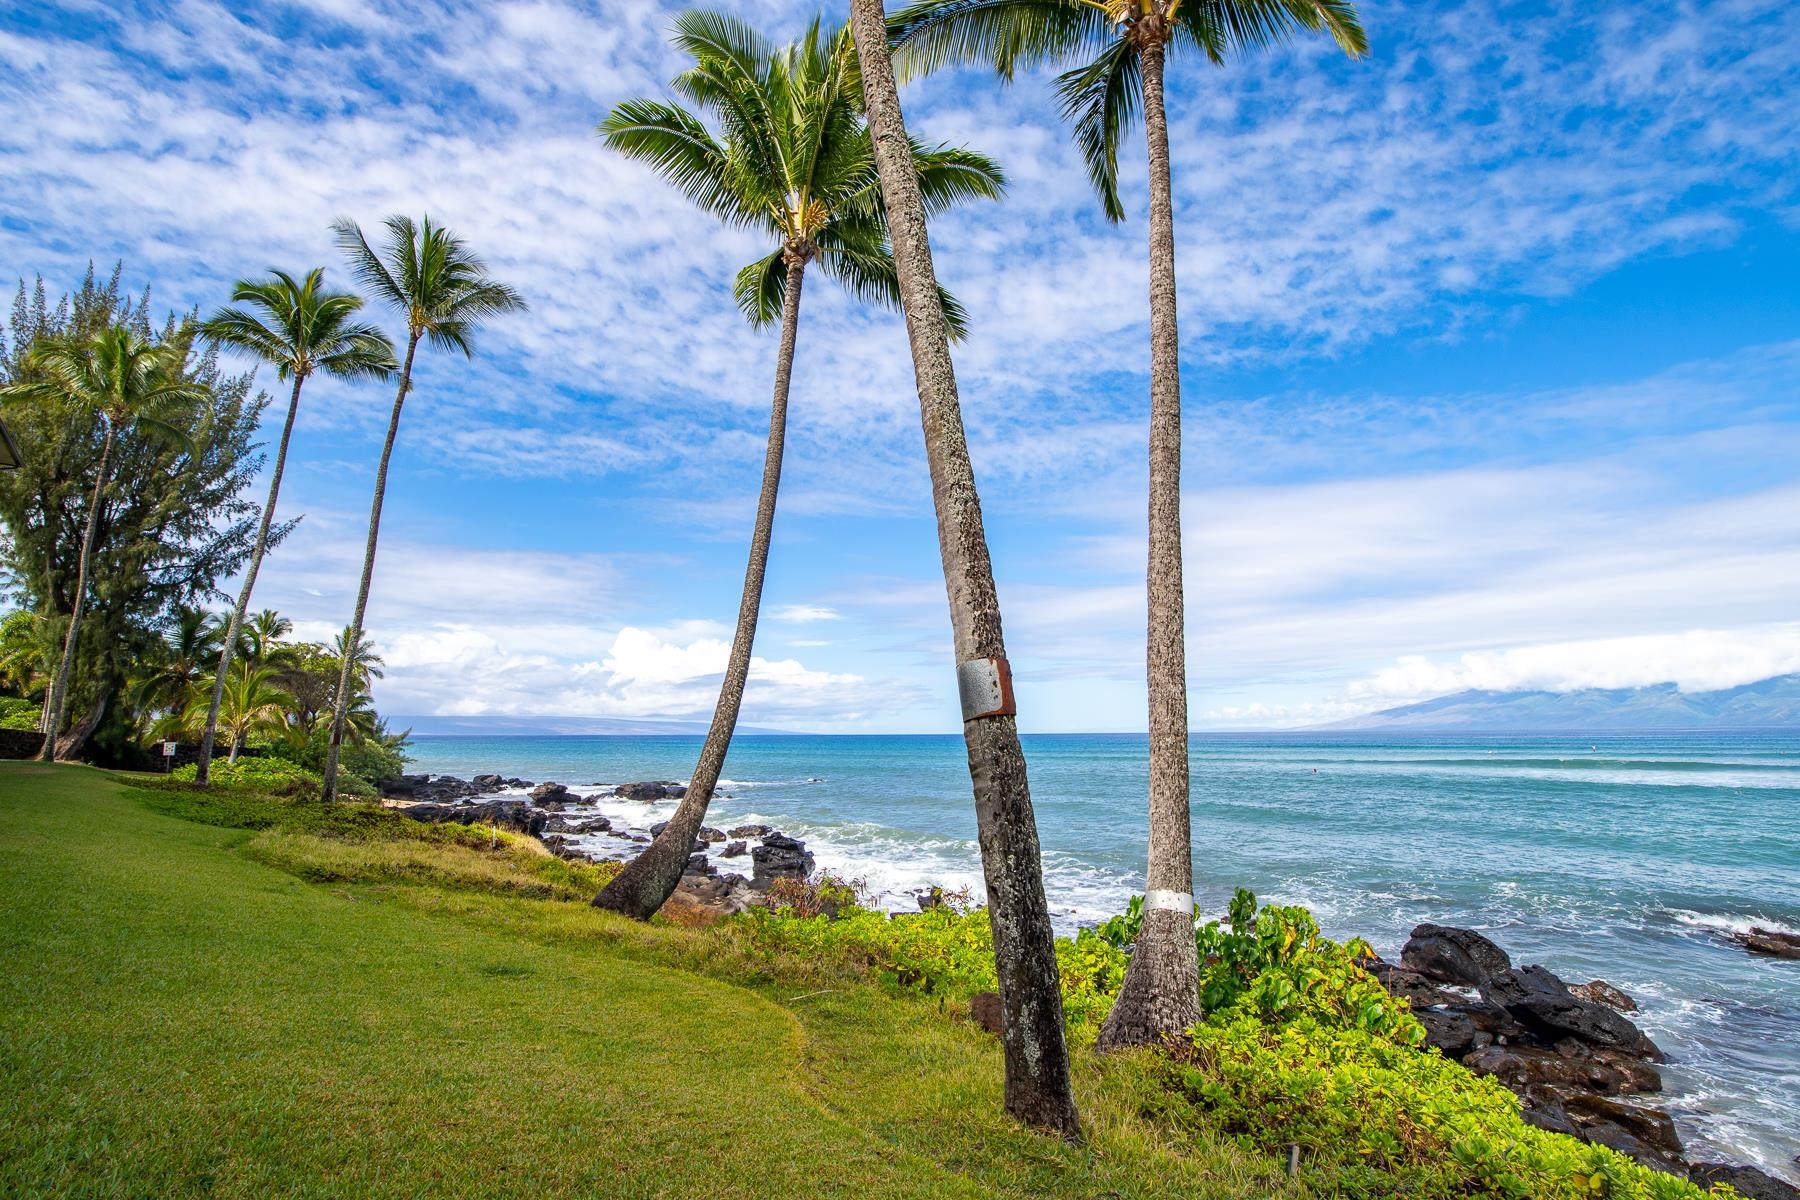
(792, 158)
(1102, 97)
(299, 328)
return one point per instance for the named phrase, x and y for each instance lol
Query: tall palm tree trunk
(1037, 1056)
(58, 698)
(237, 614)
(1161, 993)
(340, 710)
(650, 878)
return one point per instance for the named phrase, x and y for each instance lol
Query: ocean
(1620, 858)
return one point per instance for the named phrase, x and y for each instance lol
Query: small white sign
(169, 749)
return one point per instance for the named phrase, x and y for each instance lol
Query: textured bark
(1161, 994)
(58, 699)
(652, 877)
(71, 743)
(204, 763)
(1037, 1056)
(340, 710)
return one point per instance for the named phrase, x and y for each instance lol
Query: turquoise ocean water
(1623, 858)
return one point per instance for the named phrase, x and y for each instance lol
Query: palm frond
(1102, 100)
(761, 288)
(1003, 34)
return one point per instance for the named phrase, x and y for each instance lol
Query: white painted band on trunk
(1181, 902)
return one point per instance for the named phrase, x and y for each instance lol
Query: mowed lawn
(178, 1019)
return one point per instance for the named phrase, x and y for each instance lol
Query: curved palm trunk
(340, 710)
(1161, 994)
(58, 698)
(650, 878)
(204, 762)
(1037, 1056)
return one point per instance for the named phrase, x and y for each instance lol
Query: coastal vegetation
(1101, 98)
(390, 1001)
(499, 1027)
(441, 289)
(793, 161)
(299, 328)
(1038, 1090)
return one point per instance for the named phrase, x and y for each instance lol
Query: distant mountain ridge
(1766, 704)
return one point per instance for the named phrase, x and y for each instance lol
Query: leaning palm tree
(444, 292)
(793, 161)
(1124, 43)
(1031, 1029)
(298, 328)
(124, 381)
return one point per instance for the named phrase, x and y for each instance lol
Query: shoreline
(635, 817)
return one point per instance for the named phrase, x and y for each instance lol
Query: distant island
(1766, 704)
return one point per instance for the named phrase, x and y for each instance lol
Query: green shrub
(1272, 965)
(20, 714)
(273, 777)
(1375, 1117)
(367, 762)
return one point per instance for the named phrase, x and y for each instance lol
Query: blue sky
(1490, 348)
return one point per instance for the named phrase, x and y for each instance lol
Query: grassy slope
(177, 1017)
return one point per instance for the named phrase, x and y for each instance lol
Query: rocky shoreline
(1579, 1065)
(706, 892)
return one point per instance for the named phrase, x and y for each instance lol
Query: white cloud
(805, 613)
(1698, 660)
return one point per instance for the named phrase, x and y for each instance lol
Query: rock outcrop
(779, 857)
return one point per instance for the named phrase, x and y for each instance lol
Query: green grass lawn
(179, 1015)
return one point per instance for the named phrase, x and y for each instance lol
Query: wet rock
(656, 829)
(734, 850)
(1530, 1069)
(651, 790)
(1646, 1134)
(551, 793)
(1602, 992)
(1772, 943)
(779, 857)
(1408, 985)
(1540, 1001)
(487, 783)
(697, 865)
(1749, 1182)
(750, 831)
(1446, 954)
(1450, 1031)
(709, 834)
(985, 1011)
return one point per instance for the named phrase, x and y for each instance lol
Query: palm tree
(125, 381)
(252, 701)
(1128, 41)
(262, 637)
(192, 641)
(299, 328)
(1037, 1055)
(794, 163)
(444, 292)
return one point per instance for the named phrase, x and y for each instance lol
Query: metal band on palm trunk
(985, 685)
(1181, 902)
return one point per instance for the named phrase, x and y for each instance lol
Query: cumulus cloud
(1697, 660)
